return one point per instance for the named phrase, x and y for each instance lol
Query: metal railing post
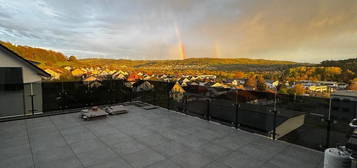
(32, 105)
(208, 110)
(131, 95)
(154, 98)
(328, 131)
(185, 104)
(168, 96)
(142, 96)
(274, 123)
(32, 96)
(62, 96)
(236, 123)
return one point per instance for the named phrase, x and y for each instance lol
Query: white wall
(29, 75)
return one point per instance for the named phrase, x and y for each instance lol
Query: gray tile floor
(153, 139)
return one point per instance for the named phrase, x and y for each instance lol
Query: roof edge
(29, 63)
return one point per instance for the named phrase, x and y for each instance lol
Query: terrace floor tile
(142, 138)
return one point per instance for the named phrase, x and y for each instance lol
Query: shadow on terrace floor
(142, 138)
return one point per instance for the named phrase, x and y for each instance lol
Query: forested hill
(242, 64)
(35, 54)
(346, 64)
(49, 58)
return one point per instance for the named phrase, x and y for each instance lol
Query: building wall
(22, 100)
(29, 75)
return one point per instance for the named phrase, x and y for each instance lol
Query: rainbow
(181, 46)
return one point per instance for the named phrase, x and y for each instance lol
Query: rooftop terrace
(142, 138)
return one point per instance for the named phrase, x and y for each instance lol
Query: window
(11, 79)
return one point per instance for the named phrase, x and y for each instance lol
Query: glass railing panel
(177, 101)
(76, 95)
(52, 95)
(120, 92)
(304, 120)
(223, 111)
(255, 112)
(196, 105)
(343, 110)
(12, 100)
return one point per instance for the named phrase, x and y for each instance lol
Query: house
(92, 82)
(133, 77)
(184, 84)
(118, 76)
(19, 78)
(220, 85)
(177, 92)
(216, 91)
(90, 79)
(271, 83)
(68, 68)
(202, 83)
(330, 84)
(185, 80)
(193, 84)
(237, 82)
(54, 74)
(128, 84)
(147, 78)
(318, 88)
(143, 86)
(96, 72)
(78, 73)
(342, 86)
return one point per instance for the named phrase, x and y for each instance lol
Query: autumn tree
(346, 76)
(251, 82)
(239, 75)
(72, 58)
(283, 90)
(261, 83)
(35, 54)
(353, 85)
(298, 89)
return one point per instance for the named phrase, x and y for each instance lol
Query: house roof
(25, 61)
(90, 79)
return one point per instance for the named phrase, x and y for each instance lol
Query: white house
(146, 86)
(19, 78)
(177, 92)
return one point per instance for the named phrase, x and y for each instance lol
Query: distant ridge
(49, 58)
(347, 64)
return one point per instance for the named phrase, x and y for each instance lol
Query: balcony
(143, 138)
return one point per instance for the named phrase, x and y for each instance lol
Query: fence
(309, 121)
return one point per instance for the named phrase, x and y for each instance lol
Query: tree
(251, 82)
(261, 83)
(72, 58)
(298, 89)
(353, 85)
(347, 76)
(239, 75)
(283, 90)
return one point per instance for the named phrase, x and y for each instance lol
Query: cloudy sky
(297, 30)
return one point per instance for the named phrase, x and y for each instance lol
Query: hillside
(348, 64)
(49, 58)
(36, 54)
(227, 64)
